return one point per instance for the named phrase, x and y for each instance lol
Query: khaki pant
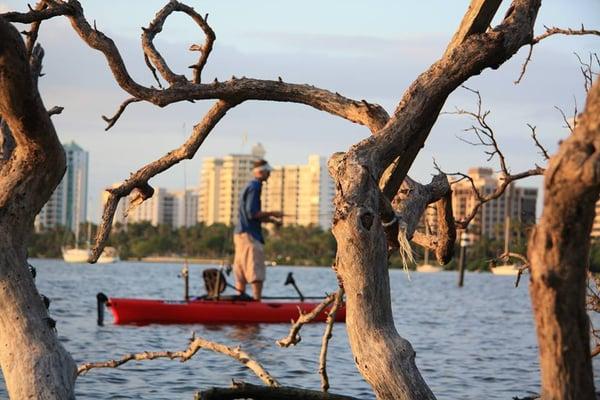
(249, 259)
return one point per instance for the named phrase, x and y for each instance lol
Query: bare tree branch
(568, 125)
(293, 338)
(111, 121)
(537, 143)
(326, 336)
(243, 390)
(140, 178)
(524, 263)
(196, 343)
(486, 136)
(235, 90)
(550, 32)
(560, 31)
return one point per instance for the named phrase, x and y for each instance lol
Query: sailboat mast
(426, 256)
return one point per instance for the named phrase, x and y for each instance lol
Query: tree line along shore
(291, 245)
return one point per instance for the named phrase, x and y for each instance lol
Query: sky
(363, 50)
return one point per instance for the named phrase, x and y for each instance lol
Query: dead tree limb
(293, 338)
(326, 337)
(486, 137)
(196, 344)
(550, 32)
(243, 390)
(140, 178)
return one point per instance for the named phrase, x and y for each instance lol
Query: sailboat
(426, 267)
(81, 255)
(506, 269)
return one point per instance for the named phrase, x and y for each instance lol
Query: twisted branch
(325, 340)
(156, 26)
(112, 120)
(196, 344)
(235, 90)
(140, 178)
(243, 390)
(550, 32)
(293, 338)
(487, 138)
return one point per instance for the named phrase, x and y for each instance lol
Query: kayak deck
(146, 311)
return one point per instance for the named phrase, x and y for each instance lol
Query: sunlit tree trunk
(34, 363)
(558, 252)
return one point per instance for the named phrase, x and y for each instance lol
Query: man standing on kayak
(249, 260)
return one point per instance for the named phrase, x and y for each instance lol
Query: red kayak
(202, 311)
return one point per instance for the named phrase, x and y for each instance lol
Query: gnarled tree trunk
(558, 252)
(34, 364)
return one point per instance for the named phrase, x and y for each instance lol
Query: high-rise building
(519, 204)
(304, 193)
(186, 208)
(68, 204)
(221, 183)
(176, 209)
(208, 196)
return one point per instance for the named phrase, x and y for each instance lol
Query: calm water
(471, 343)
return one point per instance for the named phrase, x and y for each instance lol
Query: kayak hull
(145, 311)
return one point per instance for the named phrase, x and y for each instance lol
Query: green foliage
(48, 243)
(290, 245)
(300, 245)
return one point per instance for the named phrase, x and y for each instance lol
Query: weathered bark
(34, 363)
(384, 358)
(243, 390)
(558, 252)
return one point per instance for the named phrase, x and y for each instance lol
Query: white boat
(109, 255)
(510, 269)
(75, 255)
(428, 268)
(507, 269)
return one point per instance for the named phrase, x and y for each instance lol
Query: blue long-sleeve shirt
(249, 206)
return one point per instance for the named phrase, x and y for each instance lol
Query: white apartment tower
(68, 204)
(176, 209)
(304, 193)
(221, 183)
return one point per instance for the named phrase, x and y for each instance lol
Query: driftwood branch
(524, 264)
(293, 338)
(326, 336)
(112, 120)
(550, 32)
(476, 20)
(242, 390)
(410, 204)
(486, 137)
(537, 142)
(156, 26)
(140, 178)
(196, 344)
(235, 90)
